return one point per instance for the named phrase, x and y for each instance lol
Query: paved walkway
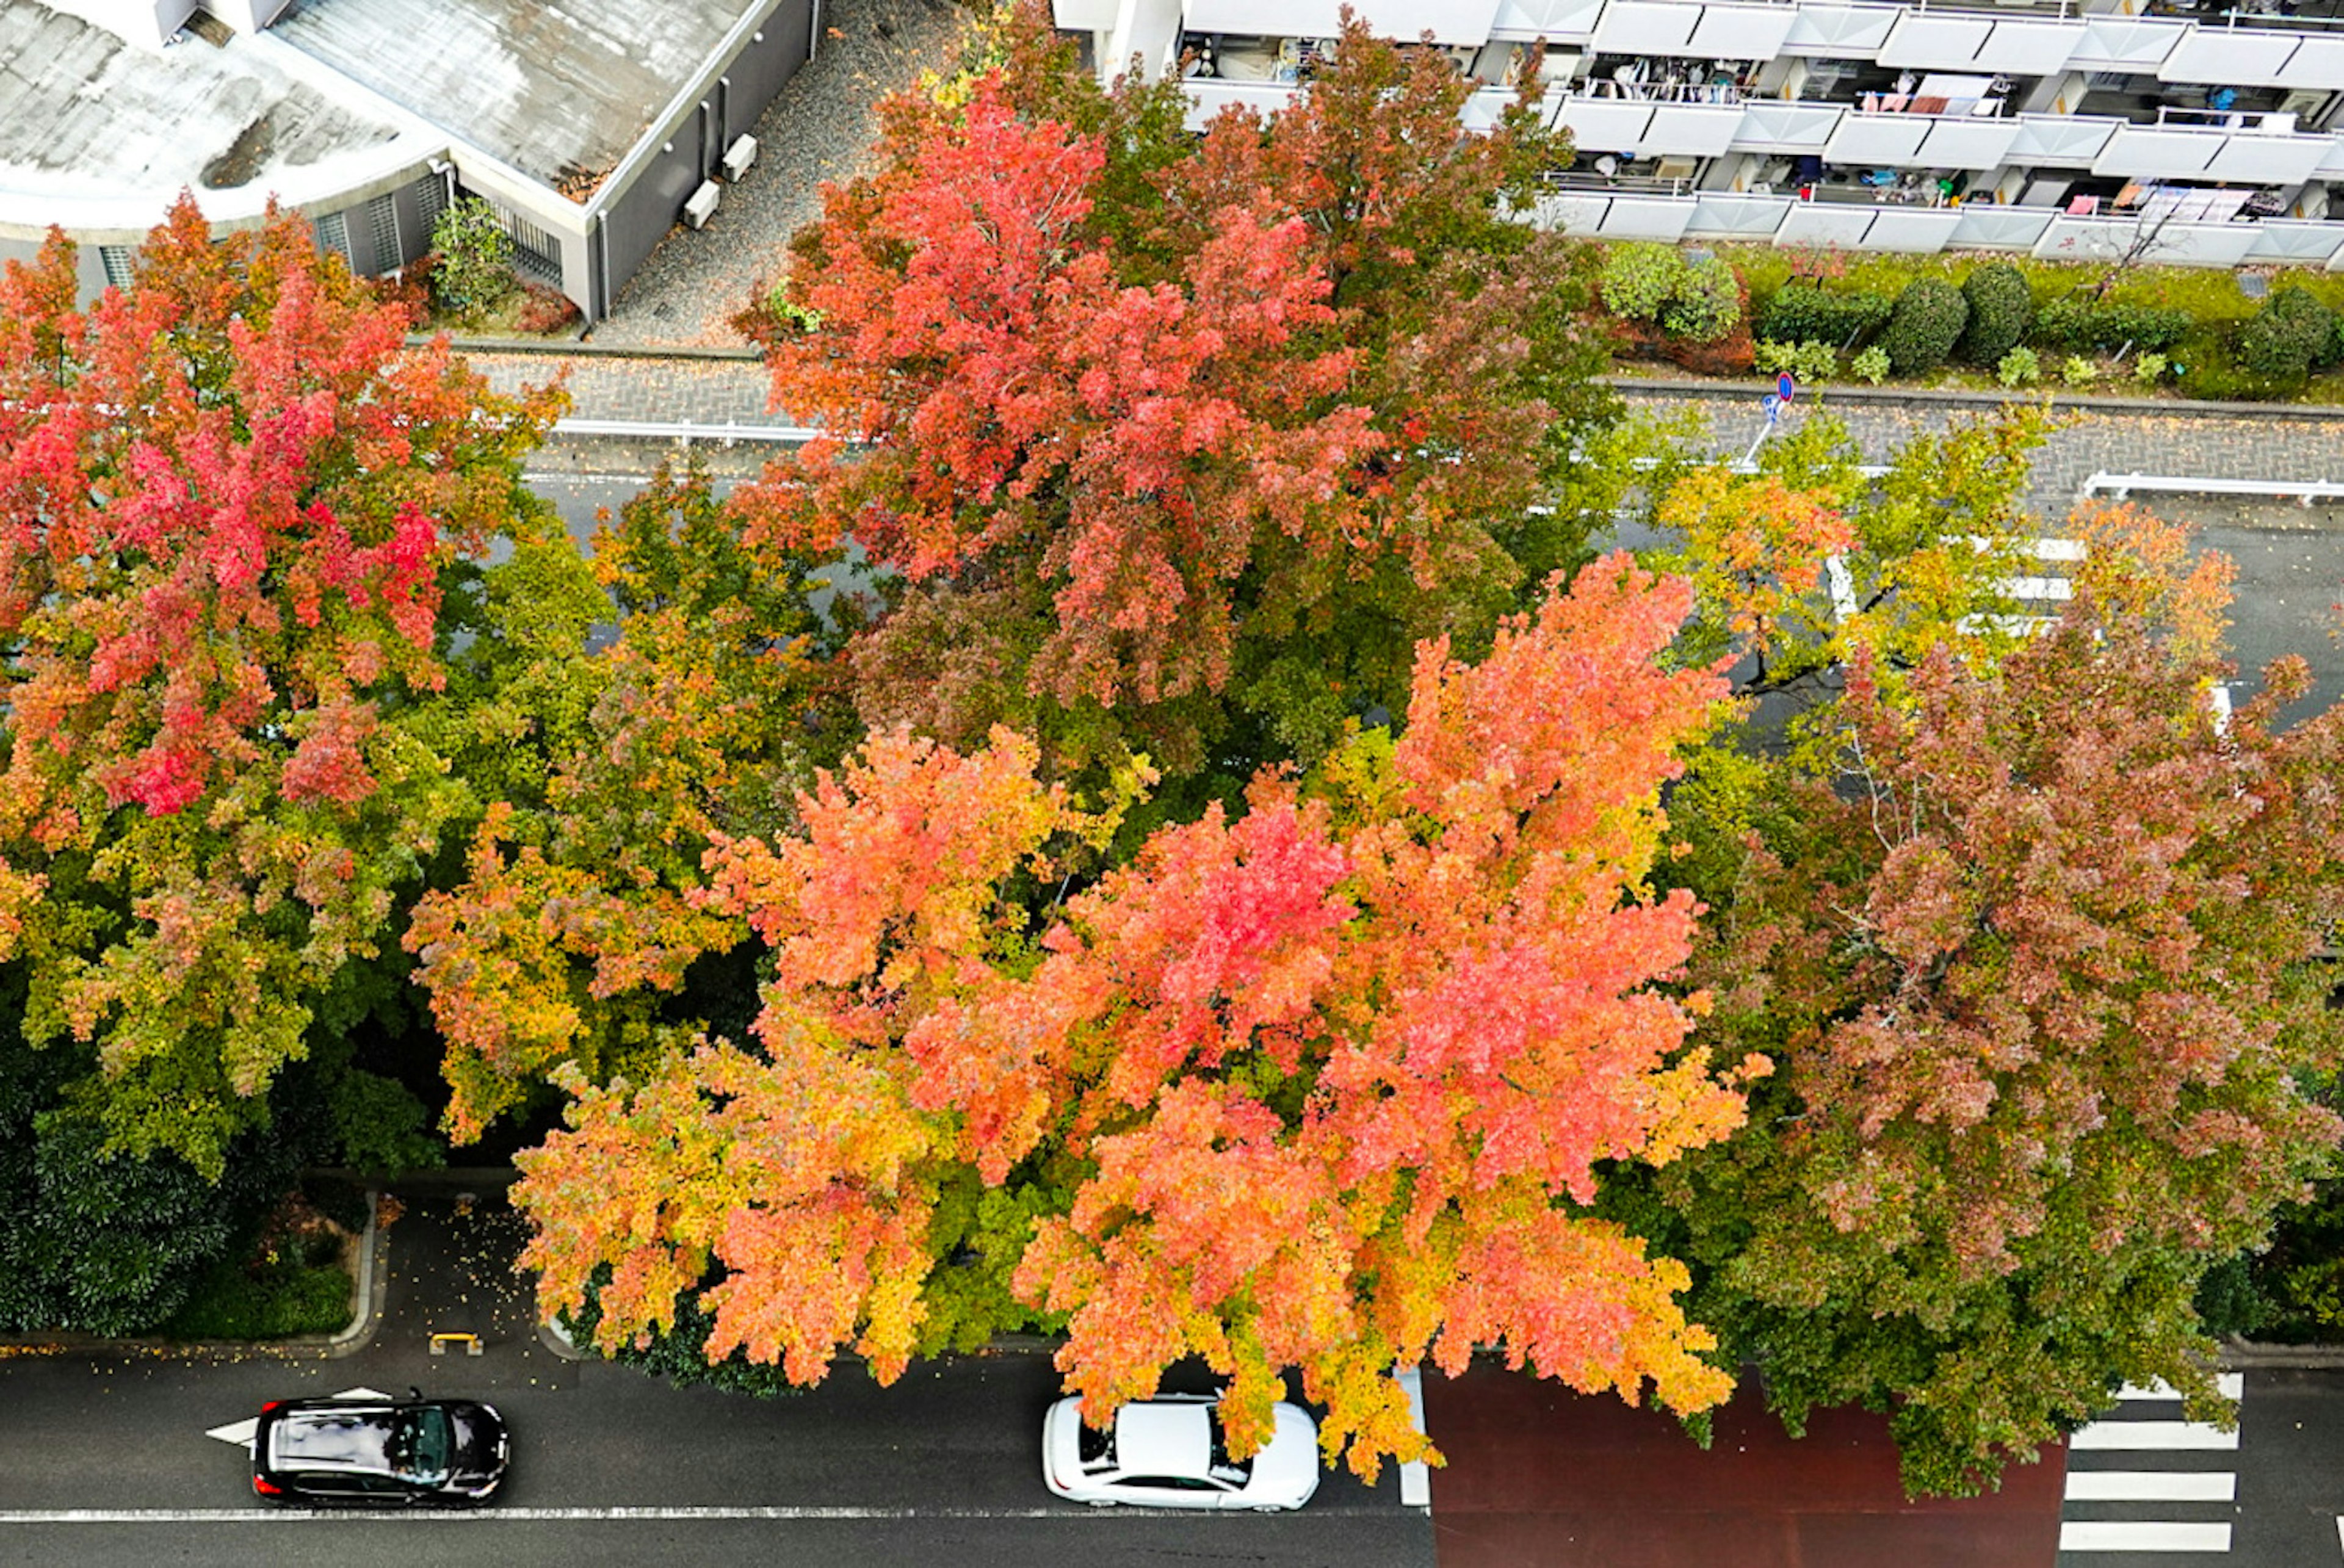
(2220, 445)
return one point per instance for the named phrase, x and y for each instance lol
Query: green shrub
(2081, 325)
(474, 269)
(2204, 367)
(1640, 277)
(2289, 335)
(289, 1292)
(2018, 367)
(1872, 364)
(1811, 362)
(1927, 324)
(1706, 304)
(1806, 312)
(2149, 369)
(2078, 371)
(2002, 308)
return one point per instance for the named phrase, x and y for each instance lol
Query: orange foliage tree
(1318, 1085)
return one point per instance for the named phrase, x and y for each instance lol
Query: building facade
(2208, 135)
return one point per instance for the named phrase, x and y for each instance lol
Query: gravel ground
(820, 128)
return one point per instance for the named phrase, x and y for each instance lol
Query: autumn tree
(2027, 947)
(1180, 444)
(572, 933)
(1319, 1084)
(230, 502)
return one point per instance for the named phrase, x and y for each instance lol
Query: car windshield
(1224, 1468)
(422, 1446)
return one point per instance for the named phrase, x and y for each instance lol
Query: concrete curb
(369, 1287)
(1962, 398)
(2238, 1355)
(572, 348)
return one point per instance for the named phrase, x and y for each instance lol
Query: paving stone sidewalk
(2198, 444)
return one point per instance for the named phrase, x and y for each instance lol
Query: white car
(1167, 1453)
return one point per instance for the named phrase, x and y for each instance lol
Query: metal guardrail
(683, 432)
(2118, 486)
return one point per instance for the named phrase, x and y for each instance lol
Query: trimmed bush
(2002, 308)
(2018, 367)
(1926, 325)
(1808, 313)
(2083, 326)
(1640, 277)
(2289, 335)
(1706, 304)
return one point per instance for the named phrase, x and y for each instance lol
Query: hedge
(2290, 335)
(1801, 312)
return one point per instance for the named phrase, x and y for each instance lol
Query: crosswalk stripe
(2229, 1385)
(2141, 1535)
(2152, 1486)
(2158, 1434)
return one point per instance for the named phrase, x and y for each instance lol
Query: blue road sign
(1784, 386)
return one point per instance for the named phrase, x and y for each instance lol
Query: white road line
(2058, 550)
(2123, 1536)
(2047, 588)
(2138, 1434)
(2152, 1486)
(2231, 1385)
(522, 1516)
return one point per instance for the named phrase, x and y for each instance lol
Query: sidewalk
(2250, 441)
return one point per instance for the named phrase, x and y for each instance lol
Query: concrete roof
(95, 131)
(558, 89)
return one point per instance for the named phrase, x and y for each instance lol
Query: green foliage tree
(2024, 942)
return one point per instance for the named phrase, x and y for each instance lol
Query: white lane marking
(2133, 1435)
(521, 1515)
(2058, 588)
(2152, 1486)
(2058, 550)
(2229, 1385)
(2125, 1535)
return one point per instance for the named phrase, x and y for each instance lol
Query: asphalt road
(609, 1465)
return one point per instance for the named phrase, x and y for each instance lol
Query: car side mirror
(414, 1391)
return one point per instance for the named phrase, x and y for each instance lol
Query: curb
(1961, 397)
(2240, 1355)
(368, 1288)
(567, 348)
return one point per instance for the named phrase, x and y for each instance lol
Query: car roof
(355, 1437)
(1153, 1439)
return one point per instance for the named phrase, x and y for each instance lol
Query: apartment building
(2193, 131)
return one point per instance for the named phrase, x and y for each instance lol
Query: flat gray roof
(559, 91)
(89, 124)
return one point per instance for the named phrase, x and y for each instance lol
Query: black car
(379, 1452)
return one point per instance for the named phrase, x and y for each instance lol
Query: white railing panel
(2318, 62)
(1209, 95)
(2001, 228)
(1482, 108)
(2269, 161)
(1787, 126)
(1573, 214)
(2067, 140)
(1646, 27)
(1742, 32)
(1697, 130)
(1449, 21)
(2283, 239)
(1566, 21)
(1919, 229)
(2031, 48)
(2149, 152)
(1867, 140)
(1946, 40)
(2125, 43)
(1749, 217)
(1967, 141)
(1825, 223)
(1605, 125)
(1841, 30)
(2173, 245)
(2085, 239)
(2222, 55)
(1647, 217)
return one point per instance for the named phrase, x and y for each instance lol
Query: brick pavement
(2226, 445)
